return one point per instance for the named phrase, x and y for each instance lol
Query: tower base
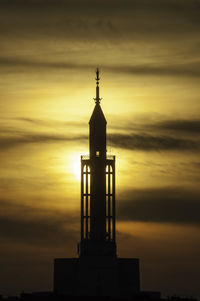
(96, 276)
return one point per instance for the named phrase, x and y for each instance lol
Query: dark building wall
(129, 276)
(97, 276)
(66, 276)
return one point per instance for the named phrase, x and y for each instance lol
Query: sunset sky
(148, 52)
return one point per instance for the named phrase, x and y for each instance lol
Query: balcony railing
(87, 157)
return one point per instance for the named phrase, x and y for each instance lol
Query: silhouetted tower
(97, 271)
(97, 189)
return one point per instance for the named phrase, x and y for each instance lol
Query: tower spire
(97, 272)
(97, 99)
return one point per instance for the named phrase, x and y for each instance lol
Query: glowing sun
(76, 167)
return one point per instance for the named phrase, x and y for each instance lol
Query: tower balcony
(87, 158)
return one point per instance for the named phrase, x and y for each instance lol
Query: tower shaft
(97, 189)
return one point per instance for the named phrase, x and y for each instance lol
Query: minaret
(97, 189)
(98, 271)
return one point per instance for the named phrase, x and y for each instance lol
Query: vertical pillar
(82, 201)
(113, 200)
(109, 199)
(85, 198)
(86, 201)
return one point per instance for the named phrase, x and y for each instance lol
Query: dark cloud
(168, 205)
(14, 141)
(48, 123)
(173, 5)
(83, 26)
(99, 20)
(34, 64)
(26, 224)
(147, 142)
(186, 126)
(45, 231)
(191, 70)
(13, 136)
(127, 141)
(132, 141)
(16, 64)
(180, 128)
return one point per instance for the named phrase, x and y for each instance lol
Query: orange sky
(148, 55)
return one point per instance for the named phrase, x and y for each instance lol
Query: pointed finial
(97, 74)
(97, 99)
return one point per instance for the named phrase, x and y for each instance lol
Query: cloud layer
(169, 205)
(29, 225)
(147, 142)
(18, 64)
(154, 138)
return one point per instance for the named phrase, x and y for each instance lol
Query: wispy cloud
(154, 139)
(185, 126)
(21, 223)
(89, 19)
(146, 142)
(17, 64)
(130, 141)
(9, 142)
(170, 205)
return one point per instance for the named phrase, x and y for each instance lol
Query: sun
(70, 163)
(76, 166)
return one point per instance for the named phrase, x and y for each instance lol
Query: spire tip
(97, 75)
(97, 99)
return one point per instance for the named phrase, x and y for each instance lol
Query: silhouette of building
(97, 271)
